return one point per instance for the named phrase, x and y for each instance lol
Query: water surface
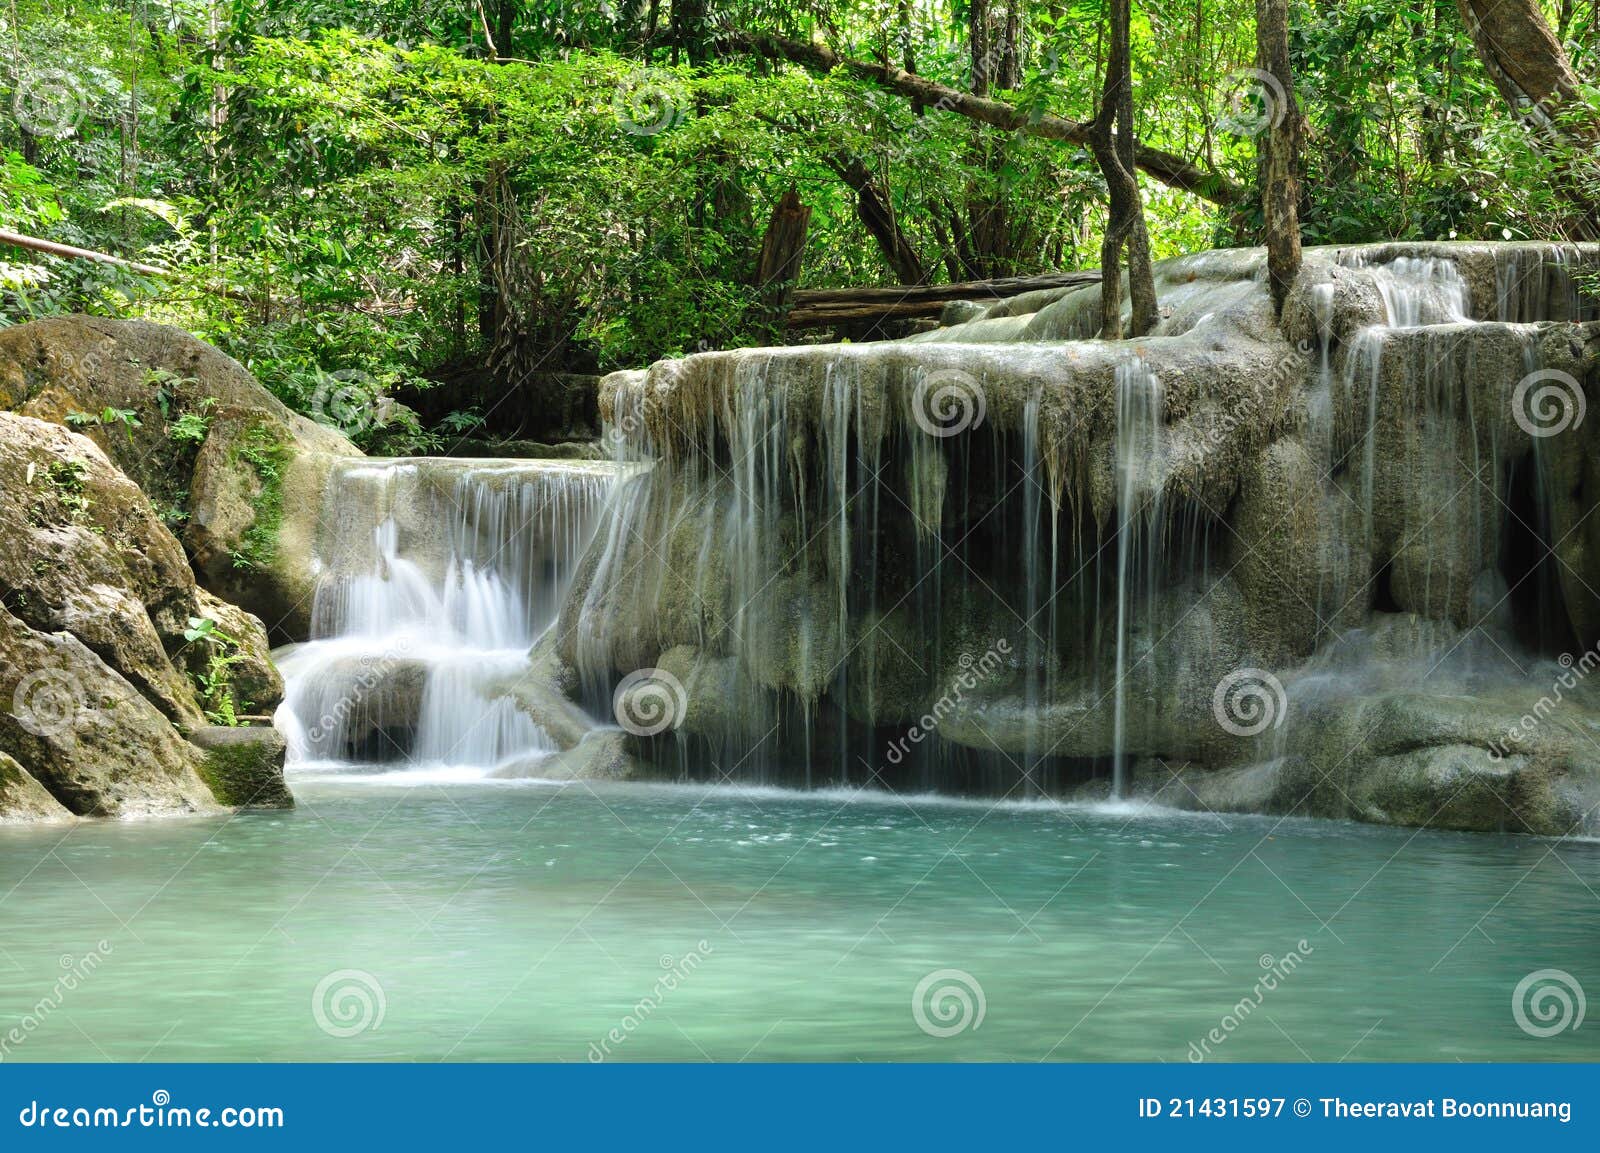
(529, 921)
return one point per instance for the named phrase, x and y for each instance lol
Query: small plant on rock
(215, 681)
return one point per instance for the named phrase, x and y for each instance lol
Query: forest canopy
(396, 192)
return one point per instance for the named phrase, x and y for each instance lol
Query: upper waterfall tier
(434, 579)
(835, 537)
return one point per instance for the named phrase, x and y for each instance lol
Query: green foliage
(260, 448)
(215, 679)
(191, 428)
(126, 417)
(363, 189)
(66, 477)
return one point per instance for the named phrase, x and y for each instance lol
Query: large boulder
(98, 671)
(223, 459)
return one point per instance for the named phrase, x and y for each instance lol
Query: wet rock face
(1178, 538)
(229, 466)
(96, 684)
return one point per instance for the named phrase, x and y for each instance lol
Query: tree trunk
(1111, 140)
(782, 249)
(1280, 150)
(978, 41)
(1525, 61)
(1010, 70)
(876, 215)
(1531, 70)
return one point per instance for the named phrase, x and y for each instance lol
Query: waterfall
(434, 579)
(1139, 486)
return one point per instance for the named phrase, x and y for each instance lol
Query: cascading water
(1139, 488)
(435, 579)
(849, 586)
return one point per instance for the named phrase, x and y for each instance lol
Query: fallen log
(817, 307)
(50, 247)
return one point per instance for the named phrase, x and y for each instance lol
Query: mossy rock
(243, 767)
